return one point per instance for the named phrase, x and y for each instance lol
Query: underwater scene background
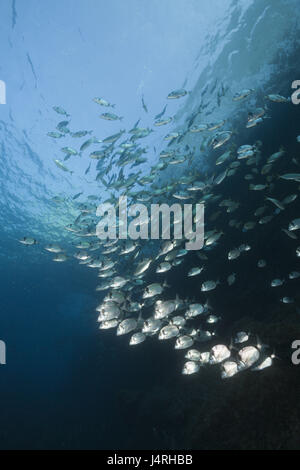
(66, 383)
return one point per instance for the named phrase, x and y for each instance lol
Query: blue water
(67, 385)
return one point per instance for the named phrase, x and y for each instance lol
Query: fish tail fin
(197, 337)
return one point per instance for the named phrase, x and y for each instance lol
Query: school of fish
(130, 303)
